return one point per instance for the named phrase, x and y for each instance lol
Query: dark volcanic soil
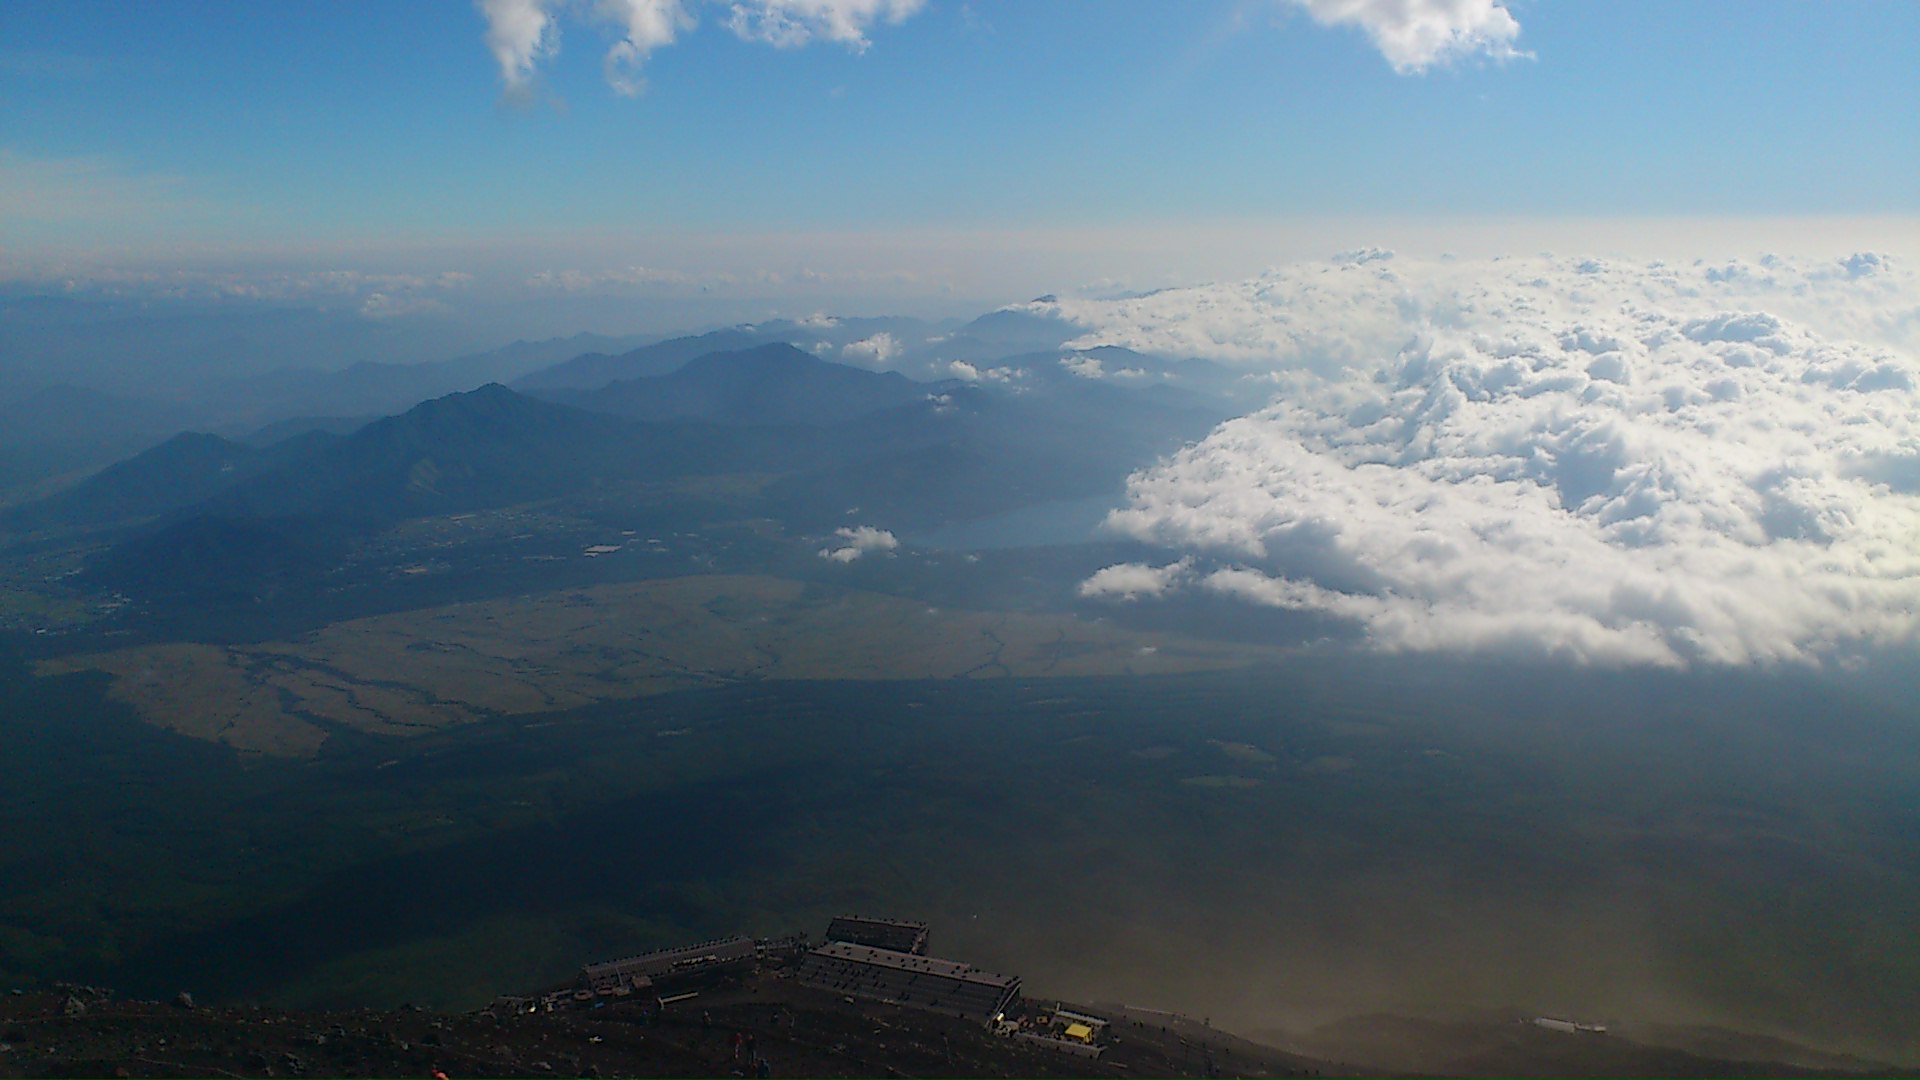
(81, 1031)
(727, 1030)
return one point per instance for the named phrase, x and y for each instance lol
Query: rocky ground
(760, 1024)
(728, 1030)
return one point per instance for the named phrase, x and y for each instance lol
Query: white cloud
(966, 372)
(788, 23)
(648, 25)
(1415, 35)
(1317, 315)
(1329, 316)
(712, 281)
(877, 350)
(522, 34)
(857, 541)
(1130, 581)
(1363, 255)
(1612, 462)
(1084, 367)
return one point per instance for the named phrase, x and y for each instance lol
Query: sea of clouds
(1607, 461)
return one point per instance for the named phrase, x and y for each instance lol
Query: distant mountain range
(484, 448)
(56, 429)
(769, 384)
(202, 512)
(51, 433)
(189, 468)
(376, 389)
(592, 370)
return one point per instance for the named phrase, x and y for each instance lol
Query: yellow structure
(1079, 1033)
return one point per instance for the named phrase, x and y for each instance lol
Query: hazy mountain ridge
(970, 451)
(482, 448)
(77, 419)
(592, 370)
(378, 388)
(186, 469)
(830, 436)
(769, 384)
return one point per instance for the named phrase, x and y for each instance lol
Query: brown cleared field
(421, 670)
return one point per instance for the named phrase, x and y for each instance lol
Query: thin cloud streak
(524, 34)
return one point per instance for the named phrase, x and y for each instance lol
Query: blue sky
(380, 136)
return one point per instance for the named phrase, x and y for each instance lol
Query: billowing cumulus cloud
(1415, 35)
(857, 541)
(1610, 462)
(1318, 315)
(522, 34)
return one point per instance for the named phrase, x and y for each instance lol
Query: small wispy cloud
(1415, 35)
(857, 541)
(648, 25)
(520, 33)
(1131, 581)
(878, 350)
(973, 373)
(523, 34)
(789, 23)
